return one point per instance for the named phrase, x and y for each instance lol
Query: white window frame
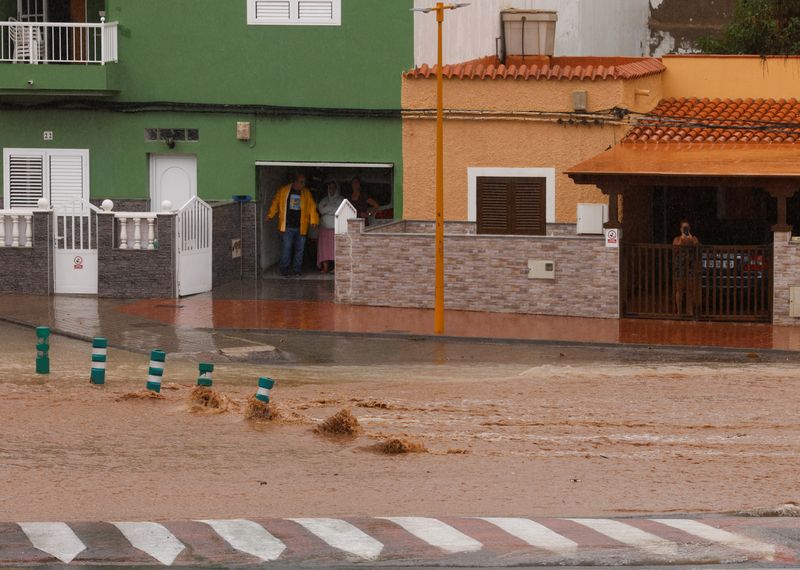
(45, 154)
(294, 19)
(549, 174)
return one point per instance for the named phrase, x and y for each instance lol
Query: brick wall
(785, 274)
(233, 220)
(30, 269)
(137, 274)
(482, 273)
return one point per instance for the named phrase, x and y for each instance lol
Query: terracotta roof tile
(544, 68)
(720, 121)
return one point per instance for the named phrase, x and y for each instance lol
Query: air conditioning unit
(529, 32)
(591, 218)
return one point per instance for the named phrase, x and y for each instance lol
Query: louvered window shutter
(511, 206)
(24, 178)
(67, 179)
(309, 12)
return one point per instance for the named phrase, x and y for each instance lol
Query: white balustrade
(58, 42)
(16, 228)
(130, 230)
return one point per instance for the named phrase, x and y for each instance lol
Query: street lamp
(439, 297)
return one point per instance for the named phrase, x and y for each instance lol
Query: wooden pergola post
(782, 193)
(613, 193)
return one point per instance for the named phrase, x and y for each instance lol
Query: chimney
(529, 35)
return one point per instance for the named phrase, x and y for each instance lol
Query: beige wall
(509, 142)
(732, 77)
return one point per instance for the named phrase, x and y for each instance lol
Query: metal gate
(75, 247)
(194, 240)
(714, 283)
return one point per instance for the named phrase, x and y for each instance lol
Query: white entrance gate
(194, 240)
(75, 247)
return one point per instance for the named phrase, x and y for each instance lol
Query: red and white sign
(78, 262)
(612, 237)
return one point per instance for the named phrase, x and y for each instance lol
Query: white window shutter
(24, 180)
(294, 12)
(315, 10)
(272, 10)
(67, 178)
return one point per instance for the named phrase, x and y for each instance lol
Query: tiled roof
(541, 68)
(692, 120)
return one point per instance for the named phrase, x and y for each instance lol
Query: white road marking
(153, 539)
(343, 536)
(436, 533)
(631, 536)
(713, 534)
(536, 534)
(249, 537)
(56, 539)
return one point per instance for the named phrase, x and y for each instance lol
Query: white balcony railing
(16, 228)
(136, 230)
(51, 42)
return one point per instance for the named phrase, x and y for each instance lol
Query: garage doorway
(377, 182)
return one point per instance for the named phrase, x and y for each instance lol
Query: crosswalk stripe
(153, 539)
(536, 535)
(343, 536)
(248, 537)
(56, 539)
(630, 535)
(720, 536)
(436, 533)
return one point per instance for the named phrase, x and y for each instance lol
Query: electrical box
(591, 218)
(794, 301)
(243, 131)
(580, 101)
(541, 269)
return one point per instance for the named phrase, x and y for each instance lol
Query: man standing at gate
(684, 270)
(298, 212)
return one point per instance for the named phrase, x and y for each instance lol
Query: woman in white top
(326, 250)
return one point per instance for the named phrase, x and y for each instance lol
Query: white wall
(585, 27)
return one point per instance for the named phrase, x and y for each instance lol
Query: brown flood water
(548, 441)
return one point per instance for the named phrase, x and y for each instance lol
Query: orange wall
(731, 77)
(508, 142)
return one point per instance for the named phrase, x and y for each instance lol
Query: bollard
(264, 386)
(156, 371)
(205, 375)
(99, 357)
(42, 350)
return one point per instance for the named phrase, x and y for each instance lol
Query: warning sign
(612, 237)
(78, 262)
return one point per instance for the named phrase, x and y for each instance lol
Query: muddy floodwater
(576, 439)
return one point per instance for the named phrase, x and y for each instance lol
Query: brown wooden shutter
(514, 206)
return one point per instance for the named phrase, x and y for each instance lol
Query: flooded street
(527, 434)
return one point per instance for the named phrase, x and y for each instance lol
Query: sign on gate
(612, 237)
(75, 247)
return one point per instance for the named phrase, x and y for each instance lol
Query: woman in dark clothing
(363, 204)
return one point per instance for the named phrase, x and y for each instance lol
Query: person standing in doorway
(684, 270)
(327, 234)
(297, 212)
(364, 204)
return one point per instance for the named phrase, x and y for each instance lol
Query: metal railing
(51, 42)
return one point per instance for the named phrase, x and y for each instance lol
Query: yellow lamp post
(439, 297)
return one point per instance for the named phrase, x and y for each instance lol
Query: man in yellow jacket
(298, 211)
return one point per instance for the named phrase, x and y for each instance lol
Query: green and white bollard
(264, 386)
(156, 371)
(42, 350)
(99, 357)
(204, 379)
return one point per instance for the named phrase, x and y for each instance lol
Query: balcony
(62, 58)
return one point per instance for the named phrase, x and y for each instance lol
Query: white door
(173, 178)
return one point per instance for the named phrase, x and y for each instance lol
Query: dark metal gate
(715, 283)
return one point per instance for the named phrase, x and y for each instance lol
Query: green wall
(226, 166)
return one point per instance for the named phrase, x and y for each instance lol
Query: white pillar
(151, 233)
(28, 233)
(137, 233)
(2, 230)
(14, 231)
(123, 233)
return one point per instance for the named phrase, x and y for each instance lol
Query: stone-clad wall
(785, 274)
(30, 269)
(233, 220)
(137, 274)
(482, 273)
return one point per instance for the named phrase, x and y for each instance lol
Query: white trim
(549, 174)
(294, 19)
(326, 164)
